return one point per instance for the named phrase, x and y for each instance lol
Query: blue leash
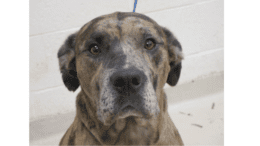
(135, 5)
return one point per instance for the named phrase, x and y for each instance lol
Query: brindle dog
(121, 61)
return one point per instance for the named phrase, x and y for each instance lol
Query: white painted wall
(198, 24)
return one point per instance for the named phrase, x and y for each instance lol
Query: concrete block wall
(198, 25)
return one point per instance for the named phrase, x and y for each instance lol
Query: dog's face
(121, 61)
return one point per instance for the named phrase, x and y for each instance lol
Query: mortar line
(181, 6)
(45, 89)
(53, 32)
(203, 53)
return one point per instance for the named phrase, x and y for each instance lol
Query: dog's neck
(124, 131)
(136, 133)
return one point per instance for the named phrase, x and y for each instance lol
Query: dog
(122, 62)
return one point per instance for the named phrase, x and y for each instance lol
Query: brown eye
(95, 50)
(149, 44)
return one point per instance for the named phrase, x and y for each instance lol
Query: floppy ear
(175, 57)
(67, 63)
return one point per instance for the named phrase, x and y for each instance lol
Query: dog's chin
(124, 113)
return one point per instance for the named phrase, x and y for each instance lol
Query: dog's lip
(128, 111)
(127, 108)
(124, 112)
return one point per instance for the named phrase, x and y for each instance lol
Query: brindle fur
(99, 119)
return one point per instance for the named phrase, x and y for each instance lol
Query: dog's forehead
(118, 23)
(108, 25)
(135, 25)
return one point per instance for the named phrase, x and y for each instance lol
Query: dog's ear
(66, 55)
(175, 57)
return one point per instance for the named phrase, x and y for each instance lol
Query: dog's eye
(149, 44)
(94, 49)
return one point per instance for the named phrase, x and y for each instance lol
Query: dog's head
(121, 61)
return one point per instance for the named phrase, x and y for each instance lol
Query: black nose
(128, 80)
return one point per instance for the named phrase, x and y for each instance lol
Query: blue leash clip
(135, 5)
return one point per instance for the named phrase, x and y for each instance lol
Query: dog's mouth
(123, 113)
(127, 108)
(128, 111)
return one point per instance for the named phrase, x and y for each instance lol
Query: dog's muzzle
(128, 84)
(127, 92)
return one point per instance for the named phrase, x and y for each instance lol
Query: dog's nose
(128, 80)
